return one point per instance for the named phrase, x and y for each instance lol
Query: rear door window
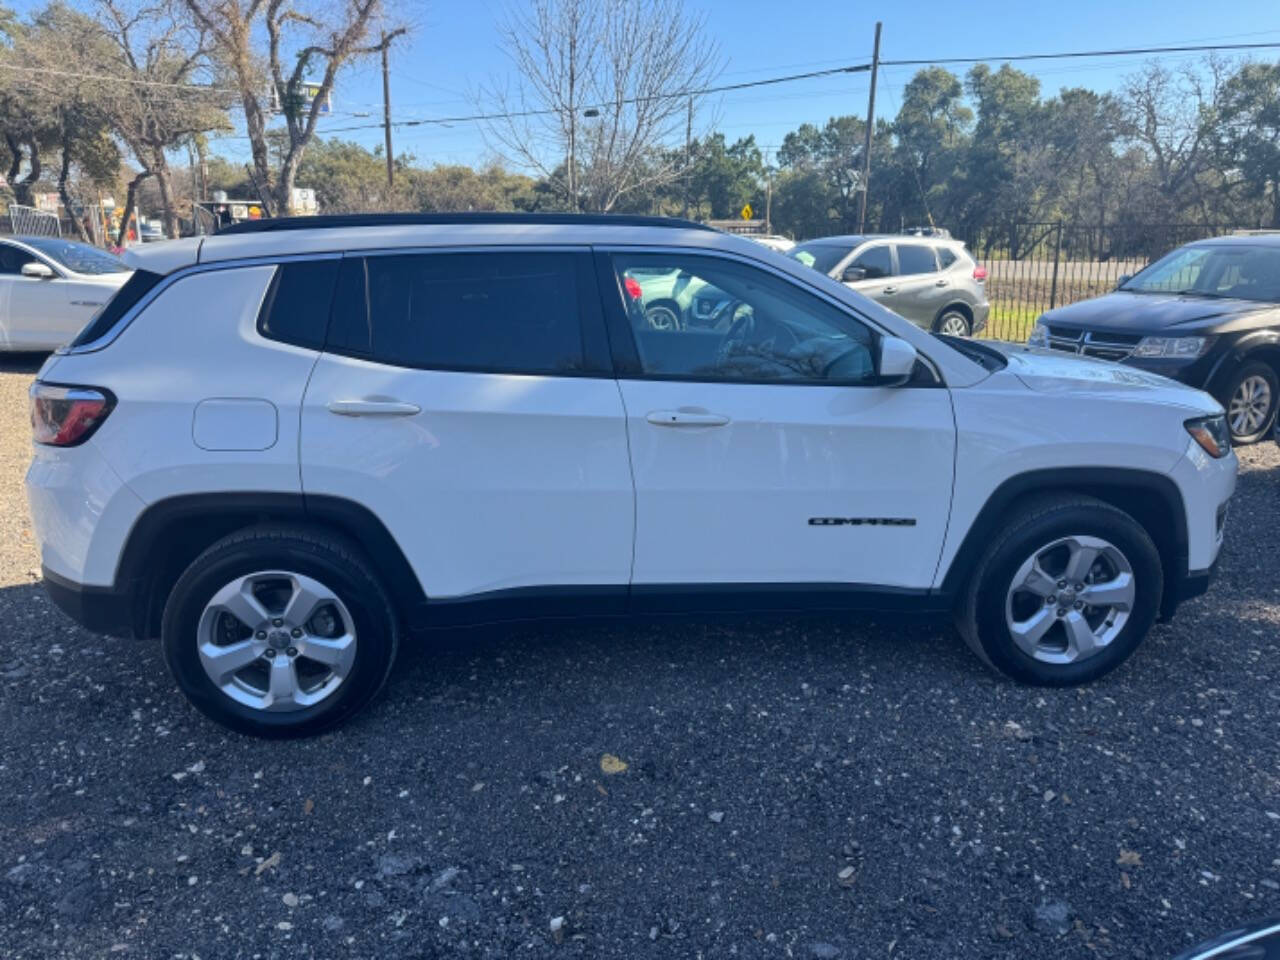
(488, 312)
(916, 258)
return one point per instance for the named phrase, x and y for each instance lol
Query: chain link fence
(1034, 267)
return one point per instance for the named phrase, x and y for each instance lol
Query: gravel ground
(810, 788)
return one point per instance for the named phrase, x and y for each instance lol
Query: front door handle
(686, 418)
(889, 290)
(373, 408)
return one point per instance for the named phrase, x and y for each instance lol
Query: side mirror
(853, 274)
(897, 362)
(41, 271)
(1123, 279)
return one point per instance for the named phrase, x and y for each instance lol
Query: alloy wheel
(1070, 599)
(1250, 406)
(954, 324)
(662, 318)
(276, 640)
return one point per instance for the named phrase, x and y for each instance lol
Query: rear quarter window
(491, 312)
(125, 299)
(296, 307)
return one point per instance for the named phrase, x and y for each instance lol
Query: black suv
(1207, 314)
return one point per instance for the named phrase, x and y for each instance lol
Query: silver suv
(933, 282)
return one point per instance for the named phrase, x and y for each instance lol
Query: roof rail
(340, 220)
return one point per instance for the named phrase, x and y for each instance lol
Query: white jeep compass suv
(282, 448)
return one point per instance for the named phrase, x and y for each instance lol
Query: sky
(452, 52)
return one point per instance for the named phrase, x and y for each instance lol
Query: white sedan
(50, 288)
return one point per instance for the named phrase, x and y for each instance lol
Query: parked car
(150, 232)
(773, 241)
(932, 282)
(50, 287)
(285, 446)
(1207, 314)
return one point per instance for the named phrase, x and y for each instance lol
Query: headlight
(1212, 434)
(1178, 348)
(1039, 335)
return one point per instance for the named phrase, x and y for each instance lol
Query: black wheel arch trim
(215, 515)
(1255, 345)
(1094, 481)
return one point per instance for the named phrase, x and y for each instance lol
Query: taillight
(632, 287)
(63, 416)
(979, 273)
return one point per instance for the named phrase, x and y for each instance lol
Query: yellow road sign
(746, 211)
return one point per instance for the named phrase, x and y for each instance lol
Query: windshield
(1241, 271)
(78, 257)
(822, 255)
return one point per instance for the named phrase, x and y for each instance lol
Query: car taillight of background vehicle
(979, 273)
(633, 288)
(64, 416)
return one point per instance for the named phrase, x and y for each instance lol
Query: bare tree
(603, 86)
(298, 41)
(158, 56)
(1171, 117)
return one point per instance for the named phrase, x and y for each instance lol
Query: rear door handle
(685, 418)
(941, 283)
(373, 408)
(889, 290)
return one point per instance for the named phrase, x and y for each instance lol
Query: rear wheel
(279, 632)
(953, 322)
(1065, 593)
(1251, 399)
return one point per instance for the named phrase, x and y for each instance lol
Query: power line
(1135, 51)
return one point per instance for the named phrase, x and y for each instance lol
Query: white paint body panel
(1047, 411)
(38, 314)
(732, 503)
(499, 482)
(197, 341)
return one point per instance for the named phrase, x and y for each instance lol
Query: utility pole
(871, 122)
(386, 112)
(688, 140)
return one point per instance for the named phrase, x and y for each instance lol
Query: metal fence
(30, 222)
(1034, 267)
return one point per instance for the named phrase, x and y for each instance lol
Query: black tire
(335, 562)
(981, 613)
(1255, 368)
(953, 313)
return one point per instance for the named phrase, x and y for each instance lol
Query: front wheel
(279, 632)
(1251, 400)
(1065, 594)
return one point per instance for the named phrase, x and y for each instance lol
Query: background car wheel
(279, 632)
(953, 323)
(1251, 401)
(662, 316)
(1065, 593)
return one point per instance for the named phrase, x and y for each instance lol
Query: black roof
(337, 220)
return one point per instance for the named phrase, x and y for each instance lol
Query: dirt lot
(810, 788)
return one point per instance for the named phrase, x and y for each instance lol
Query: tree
(1249, 133)
(29, 127)
(603, 85)
(1170, 117)
(302, 40)
(159, 55)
